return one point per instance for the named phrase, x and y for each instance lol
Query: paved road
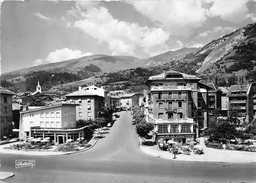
(117, 158)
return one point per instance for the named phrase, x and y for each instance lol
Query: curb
(6, 175)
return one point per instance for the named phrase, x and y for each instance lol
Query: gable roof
(172, 72)
(5, 91)
(82, 93)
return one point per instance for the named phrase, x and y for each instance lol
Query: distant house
(37, 98)
(55, 121)
(6, 113)
(127, 101)
(91, 103)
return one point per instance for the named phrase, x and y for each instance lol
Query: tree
(143, 129)
(222, 129)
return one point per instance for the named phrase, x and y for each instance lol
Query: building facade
(242, 98)
(127, 101)
(57, 122)
(5, 113)
(90, 104)
(174, 104)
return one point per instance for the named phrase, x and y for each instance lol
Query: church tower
(38, 88)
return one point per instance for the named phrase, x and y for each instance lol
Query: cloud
(123, 38)
(230, 10)
(217, 29)
(177, 17)
(61, 55)
(41, 16)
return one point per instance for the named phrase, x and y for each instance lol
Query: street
(117, 158)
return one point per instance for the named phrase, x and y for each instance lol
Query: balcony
(237, 101)
(160, 88)
(170, 109)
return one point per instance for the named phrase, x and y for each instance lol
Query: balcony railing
(237, 101)
(170, 88)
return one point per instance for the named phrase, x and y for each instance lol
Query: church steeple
(38, 88)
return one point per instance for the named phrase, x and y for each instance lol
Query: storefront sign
(175, 136)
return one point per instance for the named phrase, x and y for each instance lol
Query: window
(65, 114)
(57, 124)
(160, 105)
(180, 115)
(170, 95)
(179, 95)
(5, 99)
(31, 123)
(52, 124)
(57, 114)
(160, 115)
(47, 114)
(88, 100)
(47, 124)
(88, 107)
(162, 128)
(160, 95)
(80, 114)
(170, 115)
(52, 114)
(200, 113)
(185, 129)
(199, 104)
(89, 114)
(170, 105)
(174, 129)
(80, 107)
(5, 110)
(180, 104)
(42, 124)
(41, 115)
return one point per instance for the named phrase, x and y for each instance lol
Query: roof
(5, 91)
(172, 73)
(128, 95)
(49, 107)
(238, 89)
(224, 89)
(82, 93)
(205, 86)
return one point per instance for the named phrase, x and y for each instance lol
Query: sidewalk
(210, 155)
(93, 141)
(5, 175)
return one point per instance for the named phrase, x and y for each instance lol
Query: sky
(41, 32)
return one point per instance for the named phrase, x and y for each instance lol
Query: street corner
(5, 175)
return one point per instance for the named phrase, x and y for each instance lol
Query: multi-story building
(55, 121)
(243, 99)
(175, 106)
(127, 101)
(91, 103)
(5, 113)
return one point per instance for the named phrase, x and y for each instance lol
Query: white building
(56, 121)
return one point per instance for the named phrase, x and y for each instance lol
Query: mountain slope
(222, 53)
(167, 57)
(84, 66)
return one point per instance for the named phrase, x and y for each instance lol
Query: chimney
(79, 88)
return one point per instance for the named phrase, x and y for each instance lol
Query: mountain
(234, 52)
(84, 67)
(166, 57)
